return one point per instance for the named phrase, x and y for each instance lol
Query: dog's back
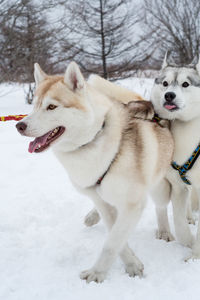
(151, 144)
(113, 91)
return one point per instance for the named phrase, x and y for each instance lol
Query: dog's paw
(93, 275)
(164, 235)
(191, 220)
(192, 257)
(134, 269)
(92, 218)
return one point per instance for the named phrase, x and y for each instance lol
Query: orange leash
(12, 117)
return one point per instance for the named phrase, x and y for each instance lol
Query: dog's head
(176, 92)
(61, 117)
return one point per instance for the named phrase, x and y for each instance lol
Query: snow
(44, 244)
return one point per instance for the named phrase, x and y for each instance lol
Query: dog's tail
(113, 91)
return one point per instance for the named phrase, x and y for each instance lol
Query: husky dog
(176, 97)
(112, 152)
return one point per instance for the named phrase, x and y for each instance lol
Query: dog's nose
(21, 127)
(169, 97)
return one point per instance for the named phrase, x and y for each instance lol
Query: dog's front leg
(161, 198)
(196, 247)
(128, 216)
(190, 218)
(180, 197)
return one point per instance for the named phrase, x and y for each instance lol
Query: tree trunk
(30, 93)
(105, 74)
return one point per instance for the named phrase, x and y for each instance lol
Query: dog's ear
(165, 61)
(39, 75)
(73, 77)
(198, 66)
(141, 109)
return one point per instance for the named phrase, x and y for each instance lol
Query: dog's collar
(187, 166)
(156, 119)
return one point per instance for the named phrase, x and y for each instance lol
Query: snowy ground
(44, 244)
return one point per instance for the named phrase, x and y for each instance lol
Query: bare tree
(105, 32)
(27, 40)
(7, 16)
(27, 37)
(176, 27)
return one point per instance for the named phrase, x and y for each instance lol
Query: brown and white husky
(111, 151)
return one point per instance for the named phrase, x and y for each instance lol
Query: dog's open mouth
(170, 107)
(41, 143)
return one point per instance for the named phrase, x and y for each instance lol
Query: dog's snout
(170, 96)
(21, 127)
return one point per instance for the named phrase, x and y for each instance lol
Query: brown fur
(138, 113)
(55, 88)
(45, 85)
(141, 109)
(138, 146)
(164, 144)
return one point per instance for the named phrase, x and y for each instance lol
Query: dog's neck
(187, 124)
(87, 164)
(94, 139)
(186, 138)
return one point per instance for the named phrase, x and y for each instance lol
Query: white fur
(86, 150)
(165, 62)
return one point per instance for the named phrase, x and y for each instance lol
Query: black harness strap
(102, 177)
(156, 119)
(188, 165)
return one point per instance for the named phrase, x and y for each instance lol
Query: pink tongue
(168, 106)
(38, 141)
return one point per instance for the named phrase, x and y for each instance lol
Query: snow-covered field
(44, 244)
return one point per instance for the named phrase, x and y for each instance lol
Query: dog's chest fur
(186, 139)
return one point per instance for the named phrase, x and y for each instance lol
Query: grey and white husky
(176, 97)
(112, 152)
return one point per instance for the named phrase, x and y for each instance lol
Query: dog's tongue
(38, 141)
(170, 106)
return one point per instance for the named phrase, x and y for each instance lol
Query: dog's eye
(185, 84)
(51, 107)
(165, 83)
